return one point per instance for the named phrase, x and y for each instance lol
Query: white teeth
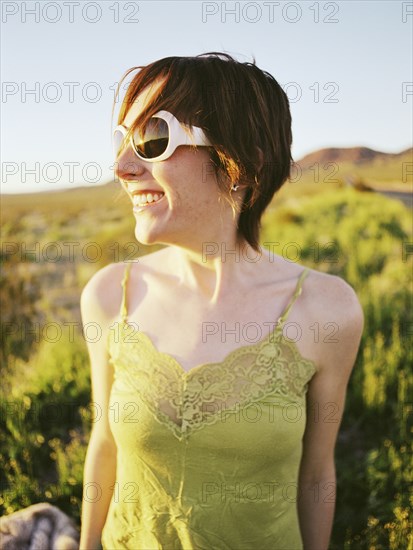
(144, 198)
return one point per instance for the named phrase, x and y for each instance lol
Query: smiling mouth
(149, 200)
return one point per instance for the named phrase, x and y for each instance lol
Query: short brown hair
(239, 107)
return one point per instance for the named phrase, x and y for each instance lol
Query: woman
(214, 430)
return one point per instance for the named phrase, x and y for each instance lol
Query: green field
(364, 238)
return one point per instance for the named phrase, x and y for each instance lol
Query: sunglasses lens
(153, 141)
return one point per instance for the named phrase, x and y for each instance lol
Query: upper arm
(98, 303)
(327, 390)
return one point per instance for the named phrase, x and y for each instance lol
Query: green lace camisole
(206, 459)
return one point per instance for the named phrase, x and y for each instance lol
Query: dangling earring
(234, 187)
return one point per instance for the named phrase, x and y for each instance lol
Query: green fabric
(207, 459)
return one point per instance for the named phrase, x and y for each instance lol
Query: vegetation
(363, 238)
(46, 418)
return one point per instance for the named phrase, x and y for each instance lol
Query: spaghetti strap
(124, 307)
(296, 294)
(280, 322)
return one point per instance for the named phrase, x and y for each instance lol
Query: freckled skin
(190, 206)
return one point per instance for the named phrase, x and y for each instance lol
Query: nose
(128, 166)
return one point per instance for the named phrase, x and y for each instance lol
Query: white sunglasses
(158, 140)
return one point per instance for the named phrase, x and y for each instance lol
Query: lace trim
(188, 401)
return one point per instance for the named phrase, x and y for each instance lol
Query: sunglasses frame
(179, 134)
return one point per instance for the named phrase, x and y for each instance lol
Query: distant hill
(377, 169)
(357, 155)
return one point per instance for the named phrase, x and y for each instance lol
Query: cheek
(187, 171)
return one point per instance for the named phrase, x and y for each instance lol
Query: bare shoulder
(332, 306)
(103, 292)
(101, 296)
(331, 293)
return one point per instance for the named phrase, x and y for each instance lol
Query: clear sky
(346, 67)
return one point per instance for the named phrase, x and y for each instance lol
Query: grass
(362, 237)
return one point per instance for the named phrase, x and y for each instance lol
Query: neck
(217, 270)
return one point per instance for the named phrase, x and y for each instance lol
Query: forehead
(143, 99)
